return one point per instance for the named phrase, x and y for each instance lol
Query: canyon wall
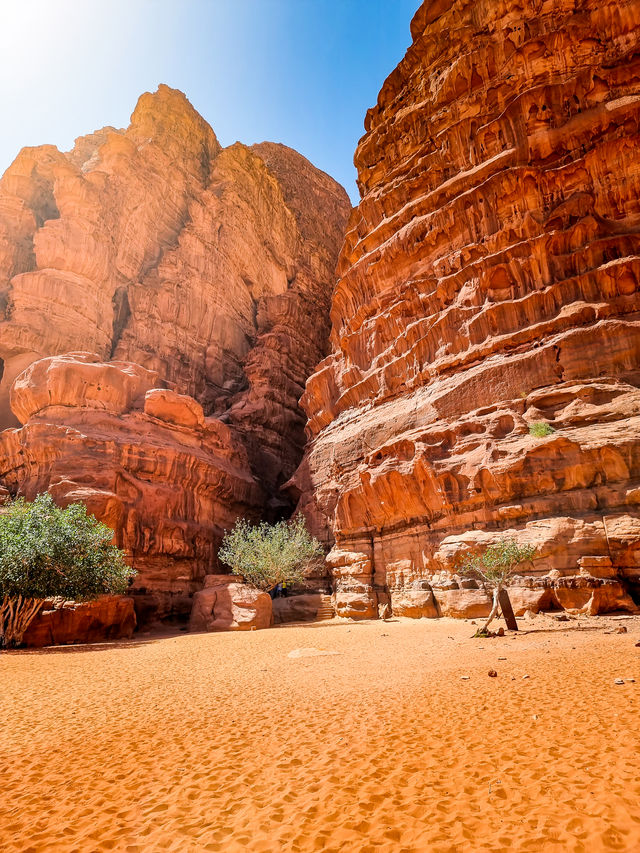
(162, 303)
(488, 282)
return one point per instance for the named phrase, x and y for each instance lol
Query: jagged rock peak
(152, 252)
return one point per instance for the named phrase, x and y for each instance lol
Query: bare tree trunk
(494, 609)
(507, 609)
(16, 614)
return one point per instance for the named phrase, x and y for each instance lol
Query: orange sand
(222, 742)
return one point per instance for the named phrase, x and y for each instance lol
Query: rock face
(489, 281)
(306, 607)
(144, 459)
(110, 617)
(178, 293)
(227, 604)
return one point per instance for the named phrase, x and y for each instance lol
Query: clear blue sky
(302, 72)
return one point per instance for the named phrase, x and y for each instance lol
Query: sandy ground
(223, 742)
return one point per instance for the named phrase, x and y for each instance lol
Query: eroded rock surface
(179, 295)
(227, 604)
(110, 617)
(489, 281)
(144, 459)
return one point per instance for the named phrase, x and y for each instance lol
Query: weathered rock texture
(110, 617)
(306, 607)
(195, 283)
(227, 604)
(144, 459)
(489, 280)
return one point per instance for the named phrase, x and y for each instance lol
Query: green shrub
(540, 429)
(269, 554)
(493, 567)
(49, 552)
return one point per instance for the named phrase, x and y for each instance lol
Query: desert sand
(396, 741)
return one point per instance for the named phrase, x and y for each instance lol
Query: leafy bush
(493, 567)
(269, 554)
(48, 552)
(540, 429)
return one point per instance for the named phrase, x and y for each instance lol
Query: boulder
(463, 603)
(414, 603)
(230, 606)
(589, 595)
(307, 607)
(356, 605)
(534, 598)
(59, 622)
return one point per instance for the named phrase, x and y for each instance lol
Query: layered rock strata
(142, 458)
(195, 283)
(489, 281)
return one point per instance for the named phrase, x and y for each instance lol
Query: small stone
(493, 673)
(632, 680)
(525, 676)
(465, 677)
(561, 617)
(619, 681)
(622, 629)
(501, 658)
(500, 632)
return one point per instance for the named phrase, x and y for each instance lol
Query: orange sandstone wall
(489, 280)
(179, 293)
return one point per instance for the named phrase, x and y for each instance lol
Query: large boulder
(414, 603)
(225, 604)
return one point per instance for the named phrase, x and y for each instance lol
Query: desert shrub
(269, 554)
(540, 429)
(493, 567)
(49, 552)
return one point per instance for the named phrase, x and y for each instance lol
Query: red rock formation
(110, 617)
(199, 280)
(227, 604)
(489, 280)
(143, 458)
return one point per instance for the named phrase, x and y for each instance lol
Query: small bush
(49, 552)
(493, 568)
(540, 429)
(269, 554)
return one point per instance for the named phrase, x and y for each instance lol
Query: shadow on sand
(102, 645)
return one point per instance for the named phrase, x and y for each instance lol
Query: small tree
(269, 554)
(49, 552)
(494, 567)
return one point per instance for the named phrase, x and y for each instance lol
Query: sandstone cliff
(179, 294)
(489, 280)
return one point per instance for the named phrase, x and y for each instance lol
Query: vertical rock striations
(179, 294)
(489, 280)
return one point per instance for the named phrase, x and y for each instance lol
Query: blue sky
(302, 72)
